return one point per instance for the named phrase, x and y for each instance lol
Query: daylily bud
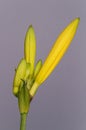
(58, 50)
(37, 68)
(30, 47)
(19, 75)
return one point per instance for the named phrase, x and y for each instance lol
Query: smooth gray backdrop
(60, 103)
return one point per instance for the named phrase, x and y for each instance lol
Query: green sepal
(23, 99)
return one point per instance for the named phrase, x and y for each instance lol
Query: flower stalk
(23, 118)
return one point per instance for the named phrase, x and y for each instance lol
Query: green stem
(23, 121)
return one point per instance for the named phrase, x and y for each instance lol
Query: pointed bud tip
(77, 20)
(30, 26)
(40, 60)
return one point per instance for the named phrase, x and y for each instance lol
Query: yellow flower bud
(58, 50)
(19, 76)
(38, 67)
(30, 47)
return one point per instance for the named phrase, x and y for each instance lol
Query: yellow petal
(30, 47)
(58, 50)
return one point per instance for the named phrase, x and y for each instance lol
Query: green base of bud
(23, 99)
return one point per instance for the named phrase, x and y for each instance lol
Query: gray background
(60, 103)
